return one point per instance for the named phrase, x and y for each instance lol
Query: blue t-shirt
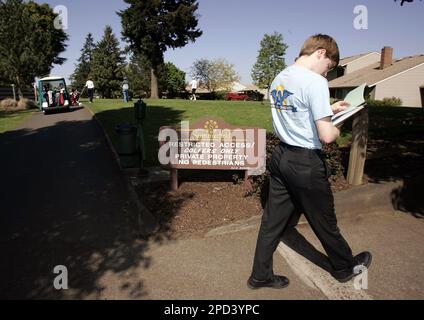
(299, 97)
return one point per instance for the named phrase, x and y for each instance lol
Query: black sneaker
(345, 275)
(276, 282)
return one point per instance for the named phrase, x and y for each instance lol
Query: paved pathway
(63, 202)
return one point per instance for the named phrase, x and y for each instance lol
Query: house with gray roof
(386, 77)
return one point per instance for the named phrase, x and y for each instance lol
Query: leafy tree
(107, 67)
(29, 43)
(270, 61)
(201, 70)
(215, 75)
(83, 68)
(153, 26)
(171, 80)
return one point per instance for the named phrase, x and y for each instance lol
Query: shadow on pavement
(406, 166)
(64, 202)
(408, 198)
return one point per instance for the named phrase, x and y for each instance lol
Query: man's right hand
(340, 106)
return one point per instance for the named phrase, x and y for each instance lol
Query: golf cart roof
(52, 79)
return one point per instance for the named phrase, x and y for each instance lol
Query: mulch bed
(198, 206)
(209, 199)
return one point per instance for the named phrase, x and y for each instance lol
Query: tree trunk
(18, 87)
(154, 94)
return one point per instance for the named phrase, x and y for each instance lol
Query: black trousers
(299, 184)
(91, 94)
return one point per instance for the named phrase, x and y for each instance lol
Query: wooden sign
(212, 144)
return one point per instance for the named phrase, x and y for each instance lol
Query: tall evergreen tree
(138, 74)
(270, 61)
(29, 43)
(153, 26)
(108, 65)
(83, 68)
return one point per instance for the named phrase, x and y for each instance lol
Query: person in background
(90, 89)
(74, 97)
(46, 95)
(125, 91)
(193, 85)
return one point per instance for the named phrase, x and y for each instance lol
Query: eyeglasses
(331, 67)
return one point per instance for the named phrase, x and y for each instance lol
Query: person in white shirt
(90, 89)
(125, 91)
(193, 84)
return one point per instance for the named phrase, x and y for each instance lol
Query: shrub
(255, 95)
(234, 96)
(260, 184)
(220, 95)
(215, 95)
(251, 95)
(13, 105)
(386, 102)
(25, 104)
(8, 104)
(333, 155)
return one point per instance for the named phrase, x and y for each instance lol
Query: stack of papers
(357, 102)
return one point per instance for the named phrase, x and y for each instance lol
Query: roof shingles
(372, 74)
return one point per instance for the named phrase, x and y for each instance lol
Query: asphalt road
(63, 202)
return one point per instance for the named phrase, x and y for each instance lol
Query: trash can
(127, 145)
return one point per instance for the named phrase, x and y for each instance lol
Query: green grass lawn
(10, 120)
(164, 112)
(169, 112)
(385, 122)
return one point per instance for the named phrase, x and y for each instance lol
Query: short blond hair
(321, 41)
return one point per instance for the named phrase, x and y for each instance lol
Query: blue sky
(233, 29)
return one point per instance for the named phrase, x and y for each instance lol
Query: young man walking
(301, 115)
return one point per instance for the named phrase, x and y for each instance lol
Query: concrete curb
(147, 223)
(366, 198)
(356, 201)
